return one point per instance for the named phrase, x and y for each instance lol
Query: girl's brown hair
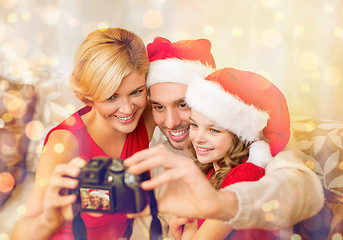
(233, 157)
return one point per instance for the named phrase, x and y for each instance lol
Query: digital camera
(106, 186)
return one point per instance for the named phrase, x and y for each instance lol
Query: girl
(234, 114)
(109, 77)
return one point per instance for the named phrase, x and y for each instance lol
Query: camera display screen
(95, 199)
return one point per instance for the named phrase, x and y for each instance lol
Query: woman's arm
(44, 207)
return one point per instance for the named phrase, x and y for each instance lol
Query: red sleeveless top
(108, 226)
(245, 172)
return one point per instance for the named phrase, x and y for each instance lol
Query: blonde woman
(109, 76)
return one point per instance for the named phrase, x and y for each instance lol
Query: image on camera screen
(96, 199)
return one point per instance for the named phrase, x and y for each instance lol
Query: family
(224, 153)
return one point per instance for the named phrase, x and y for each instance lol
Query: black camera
(106, 186)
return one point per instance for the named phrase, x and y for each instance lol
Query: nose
(199, 136)
(172, 119)
(126, 106)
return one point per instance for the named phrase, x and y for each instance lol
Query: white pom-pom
(259, 154)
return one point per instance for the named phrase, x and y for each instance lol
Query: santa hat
(179, 62)
(246, 104)
(93, 192)
(106, 196)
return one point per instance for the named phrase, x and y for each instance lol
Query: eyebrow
(115, 94)
(175, 102)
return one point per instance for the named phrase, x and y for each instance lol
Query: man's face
(170, 111)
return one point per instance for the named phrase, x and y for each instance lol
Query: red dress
(108, 226)
(245, 172)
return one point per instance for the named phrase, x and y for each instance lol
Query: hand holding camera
(106, 186)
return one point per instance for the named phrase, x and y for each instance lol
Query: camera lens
(130, 180)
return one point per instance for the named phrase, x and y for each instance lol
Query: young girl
(235, 114)
(109, 77)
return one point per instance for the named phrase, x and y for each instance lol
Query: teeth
(203, 149)
(124, 118)
(176, 134)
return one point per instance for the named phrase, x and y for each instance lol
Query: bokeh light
(328, 8)
(6, 182)
(269, 216)
(102, 25)
(279, 16)
(305, 88)
(12, 18)
(50, 15)
(14, 103)
(34, 130)
(43, 182)
(153, 19)
(209, 30)
(237, 32)
(269, 3)
(310, 164)
(21, 209)
(2, 123)
(338, 32)
(26, 16)
(309, 61)
(341, 166)
(337, 236)
(274, 204)
(74, 22)
(7, 117)
(4, 236)
(296, 237)
(332, 76)
(59, 148)
(299, 30)
(70, 121)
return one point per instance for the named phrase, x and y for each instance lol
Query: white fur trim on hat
(225, 110)
(176, 70)
(259, 153)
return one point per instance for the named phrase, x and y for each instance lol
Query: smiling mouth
(179, 135)
(125, 118)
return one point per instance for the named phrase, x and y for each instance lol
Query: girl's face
(125, 107)
(210, 142)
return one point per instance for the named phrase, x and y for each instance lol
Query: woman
(109, 74)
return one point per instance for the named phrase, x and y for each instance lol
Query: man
(288, 182)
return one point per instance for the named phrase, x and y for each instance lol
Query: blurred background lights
(2, 123)
(296, 237)
(12, 18)
(59, 148)
(237, 32)
(34, 130)
(332, 76)
(102, 25)
(338, 31)
(50, 15)
(74, 22)
(209, 30)
(43, 182)
(269, 216)
(279, 15)
(4, 236)
(26, 16)
(14, 103)
(337, 236)
(328, 8)
(153, 19)
(269, 3)
(305, 88)
(7, 117)
(18, 66)
(341, 166)
(274, 204)
(298, 30)
(21, 209)
(70, 108)
(309, 61)
(310, 164)
(6, 182)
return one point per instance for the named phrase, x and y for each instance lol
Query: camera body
(106, 186)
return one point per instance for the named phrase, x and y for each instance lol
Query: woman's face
(125, 107)
(209, 141)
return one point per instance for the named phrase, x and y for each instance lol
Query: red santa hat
(106, 196)
(246, 104)
(179, 62)
(93, 192)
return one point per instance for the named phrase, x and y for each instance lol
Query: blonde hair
(233, 157)
(103, 60)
